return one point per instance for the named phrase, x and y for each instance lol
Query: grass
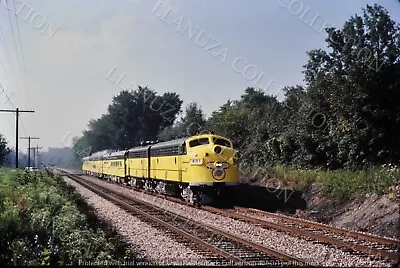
(43, 221)
(337, 184)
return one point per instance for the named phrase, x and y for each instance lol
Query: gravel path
(148, 242)
(315, 254)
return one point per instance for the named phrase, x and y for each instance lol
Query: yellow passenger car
(86, 165)
(93, 165)
(114, 166)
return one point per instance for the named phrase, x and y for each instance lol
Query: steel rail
(172, 228)
(324, 227)
(393, 256)
(280, 255)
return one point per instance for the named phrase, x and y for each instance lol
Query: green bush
(338, 184)
(41, 224)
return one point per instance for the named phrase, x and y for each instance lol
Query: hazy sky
(207, 51)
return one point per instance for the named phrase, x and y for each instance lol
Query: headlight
(217, 149)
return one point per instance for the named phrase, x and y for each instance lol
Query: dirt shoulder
(373, 214)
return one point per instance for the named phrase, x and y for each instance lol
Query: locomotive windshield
(198, 142)
(223, 142)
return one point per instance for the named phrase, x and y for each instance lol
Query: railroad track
(352, 241)
(355, 242)
(218, 246)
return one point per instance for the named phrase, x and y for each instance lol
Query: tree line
(347, 115)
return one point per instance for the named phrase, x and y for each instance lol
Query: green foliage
(189, 124)
(40, 224)
(347, 115)
(340, 184)
(131, 118)
(3, 149)
(337, 128)
(357, 86)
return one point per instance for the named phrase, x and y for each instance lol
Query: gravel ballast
(314, 253)
(148, 242)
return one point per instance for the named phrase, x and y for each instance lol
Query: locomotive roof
(139, 148)
(206, 135)
(118, 153)
(114, 155)
(100, 154)
(164, 144)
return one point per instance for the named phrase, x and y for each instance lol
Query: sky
(67, 59)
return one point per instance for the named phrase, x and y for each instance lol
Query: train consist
(200, 169)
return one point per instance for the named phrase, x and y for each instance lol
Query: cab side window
(222, 142)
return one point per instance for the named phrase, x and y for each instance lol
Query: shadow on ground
(268, 199)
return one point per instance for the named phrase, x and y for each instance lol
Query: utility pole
(36, 161)
(34, 157)
(16, 111)
(29, 147)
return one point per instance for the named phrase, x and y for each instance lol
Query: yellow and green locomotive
(198, 168)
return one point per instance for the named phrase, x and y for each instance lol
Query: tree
(358, 85)
(3, 149)
(253, 123)
(189, 124)
(347, 114)
(132, 117)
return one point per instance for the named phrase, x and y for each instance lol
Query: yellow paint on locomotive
(208, 159)
(106, 167)
(202, 165)
(85, 165)
(137, 167)
(114, 167)
(95, 166)
(165, 168)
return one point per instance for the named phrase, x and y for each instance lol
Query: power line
(36, 156)
(7, 97)
(7, 55)
(6, 74)
(13, 35)
(3, 92)
(16, 111)
(23, 61)
(19, 57)
(23, 71)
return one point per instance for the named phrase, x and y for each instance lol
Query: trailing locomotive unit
(199, 168)
(93, 165)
